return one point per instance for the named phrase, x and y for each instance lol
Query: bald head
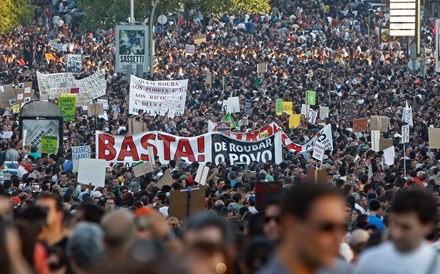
(118, 229)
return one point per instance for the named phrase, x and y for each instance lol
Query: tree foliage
(14, 13)
(107, 13)
(229, 6)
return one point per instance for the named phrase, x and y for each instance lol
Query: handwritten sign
(266, 192)
(142, 168)
(67, 103)
(49, 144)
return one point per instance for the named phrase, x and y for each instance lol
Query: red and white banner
(260, 134)
(210, 147)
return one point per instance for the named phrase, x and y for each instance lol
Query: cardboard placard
(266, 192)
(381, 123)
(15, 92)
(360, 125)
(135, 126)
(434, 137)
(95, 109)
(187, 202)
(405, 134)
(316, 175)
(262, 68)
(385, 143)
(199, 38)
(384, 124)
(208, 79)
(142, 169)
(166, 179)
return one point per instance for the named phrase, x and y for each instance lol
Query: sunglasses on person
(268, 219)
(327, 227)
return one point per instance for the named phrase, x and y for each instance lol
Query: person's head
(110, 204)
(358, 240)
(63, 178)
(313, 223)
(412, 218)
(85, 246)
(119, 230)
(54, 208)
(374, 205)
(207, 228)
(271, 225)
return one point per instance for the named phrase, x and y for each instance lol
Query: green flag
(228, 118)
(311, 97)
(257, 81)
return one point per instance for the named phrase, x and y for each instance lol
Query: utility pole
(132, 21)
(150, 33)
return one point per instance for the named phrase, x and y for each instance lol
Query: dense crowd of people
(367, 218)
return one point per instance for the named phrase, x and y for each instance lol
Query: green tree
(14, 13)
(107, 13)
(229, 6)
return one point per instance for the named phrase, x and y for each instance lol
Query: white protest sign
(312, 116)
(388, 156)
(375, 139)
(142, 169)
(233, 104)
(92, 171)
(318, 151)
(79, 152)
(305, 110)
(73, 63)
(7, 134)
(56, 84)
(202, 174)
(405, 134)
(407, 115)
(190, 49)
(323, 112)
(148, 96)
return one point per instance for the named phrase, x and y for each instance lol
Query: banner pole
(404, 160)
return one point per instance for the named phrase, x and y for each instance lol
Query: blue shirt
(376, 221)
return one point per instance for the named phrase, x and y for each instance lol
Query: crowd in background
(125, 226)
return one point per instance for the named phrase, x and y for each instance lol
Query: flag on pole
(407, 115)
(228, 118)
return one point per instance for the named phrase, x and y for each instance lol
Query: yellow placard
(16, 108)
(287, 107)
(294, 120)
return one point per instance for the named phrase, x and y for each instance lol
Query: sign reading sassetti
(131, 46)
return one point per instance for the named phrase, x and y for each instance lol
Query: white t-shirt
(385, 259)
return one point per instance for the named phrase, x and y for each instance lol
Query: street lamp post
(150, 33)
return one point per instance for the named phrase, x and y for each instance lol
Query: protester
(412, 219)
(333, 48)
